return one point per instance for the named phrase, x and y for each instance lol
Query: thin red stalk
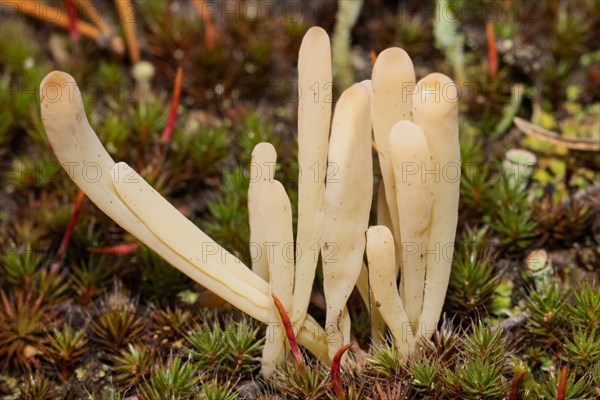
(66, 240)
(514, 387)
(168, 132)
(56, 16)
(210, 34)
(122, 248)
(492, 51)
(373, 57)
(73, 31)
(562, 385)
(290, 333)
(210, 30)
(53, 16)
(336, 377)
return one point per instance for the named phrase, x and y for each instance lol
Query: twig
(57, 17)
(127, 17)
(336, 378)
(555, 138)
(66, 240)
(511, 322)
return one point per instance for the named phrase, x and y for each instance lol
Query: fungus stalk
(381, 256)
(130, 201)
(275, 214)
(314, 114)
(262, 170)
(414, 195)
(416, 137)
(436, 113)
(393, 82)
(346, 217)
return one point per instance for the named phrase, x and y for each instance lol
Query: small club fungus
(415, 130)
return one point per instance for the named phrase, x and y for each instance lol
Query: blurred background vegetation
(102, 317)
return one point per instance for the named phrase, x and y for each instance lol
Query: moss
(160, 281)
(230, 352)
(473, 280)
(133, 365)
(143, 340)
(176, 380)
(26, 320)
(114, 327)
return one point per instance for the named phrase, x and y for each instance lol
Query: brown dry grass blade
(531, 129)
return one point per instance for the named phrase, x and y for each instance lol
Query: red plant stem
(168, 132)
(514, 387)
(73, 31)
(562, 384)
(373, 57)
(56, 16)
(66, 240)
(290, 333)
(122, 248)
(336, 377)
(492, 50)
(210, 30)
(52, 15)
(210, 34)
